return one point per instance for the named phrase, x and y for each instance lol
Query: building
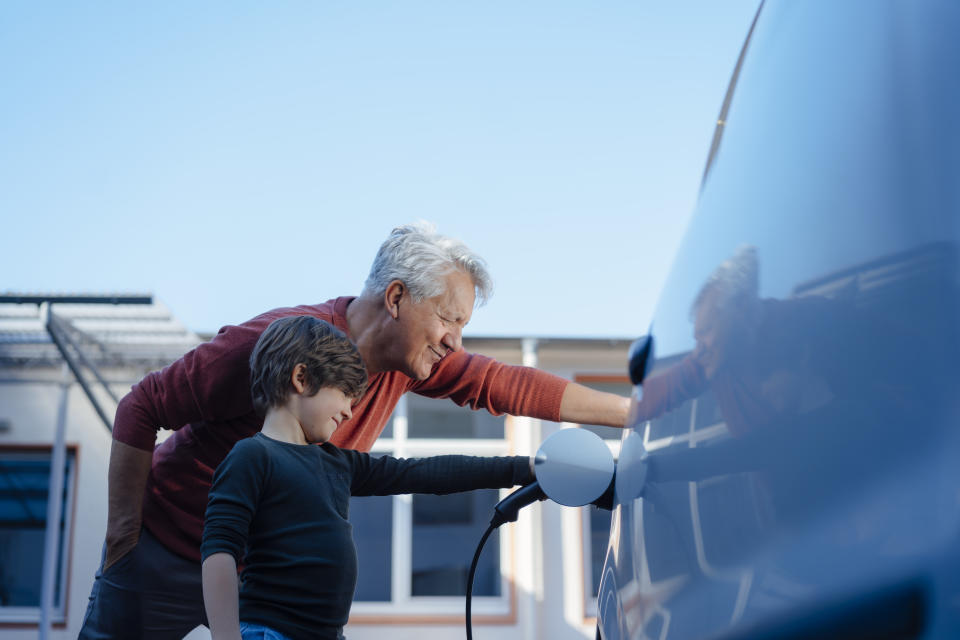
(63, 359)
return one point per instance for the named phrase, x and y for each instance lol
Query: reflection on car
(791, 467)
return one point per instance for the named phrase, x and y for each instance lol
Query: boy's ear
(298, 378)
(392, 297)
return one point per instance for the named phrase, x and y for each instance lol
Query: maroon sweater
(205, 397)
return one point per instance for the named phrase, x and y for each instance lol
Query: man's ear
(392, 297)
(298, 378)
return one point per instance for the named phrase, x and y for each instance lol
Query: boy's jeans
(250, 631)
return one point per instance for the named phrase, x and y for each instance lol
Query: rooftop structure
(110, 330)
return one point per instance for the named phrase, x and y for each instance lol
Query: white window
(595, 523)
(695, 420)
(24, 488)
(596, 535)
(415, 551)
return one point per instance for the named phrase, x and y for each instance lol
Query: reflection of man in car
(765, 359)
(726, 311)
(817, 391)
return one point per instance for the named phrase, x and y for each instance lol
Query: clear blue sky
(237, 156)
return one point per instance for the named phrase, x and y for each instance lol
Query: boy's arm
(386, 475)
(231, 506)
(220, 596)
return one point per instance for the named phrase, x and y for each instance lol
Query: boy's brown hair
(331, 360)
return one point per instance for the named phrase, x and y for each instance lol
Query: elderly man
(407, 324)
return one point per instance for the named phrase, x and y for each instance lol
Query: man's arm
(208, 383)
(668, 389)
(484, 383)
(588, 406)
(220, 596)
(127, 479)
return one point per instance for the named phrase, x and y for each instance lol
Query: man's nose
(453, 340)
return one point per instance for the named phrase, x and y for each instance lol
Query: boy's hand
(221, 596)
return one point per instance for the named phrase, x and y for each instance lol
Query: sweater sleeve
(232, 502)
(484, 383)
(669, 389)
(209, 383)
(386, 475)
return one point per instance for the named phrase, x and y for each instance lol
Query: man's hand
(119, 544)
(127, 479)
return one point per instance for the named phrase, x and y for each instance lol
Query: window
(596, 522)
(446, 530)
(596, 528)
(371, 519)
(415, 551)
(24, 488)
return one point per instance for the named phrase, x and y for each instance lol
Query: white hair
(420, 258)
(736, 280)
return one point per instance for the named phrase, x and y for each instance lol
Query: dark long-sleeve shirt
(287, 505)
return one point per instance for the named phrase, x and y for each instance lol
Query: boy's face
(320, 414)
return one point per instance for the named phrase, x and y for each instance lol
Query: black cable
(473, 570)
(508, 510)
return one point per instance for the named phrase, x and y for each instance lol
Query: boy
(281, 505)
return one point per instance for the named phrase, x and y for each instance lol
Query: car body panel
(793, 457)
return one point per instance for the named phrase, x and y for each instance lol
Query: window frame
(403, 607)
(585, 597)
(29, 617)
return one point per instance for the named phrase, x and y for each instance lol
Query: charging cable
(573, 468)
(507, 510)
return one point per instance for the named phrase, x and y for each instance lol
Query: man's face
(715, 330)
(431, 329)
